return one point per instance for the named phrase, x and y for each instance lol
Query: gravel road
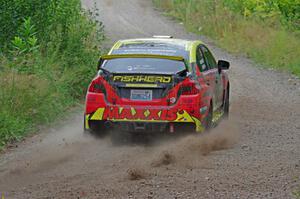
(256, 154)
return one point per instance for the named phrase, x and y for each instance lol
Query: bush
(49, 16)
(285, 11)
(49, 52)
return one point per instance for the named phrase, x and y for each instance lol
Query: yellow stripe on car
(108, 57)
(98, 115)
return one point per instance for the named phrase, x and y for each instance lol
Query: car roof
(185, 48)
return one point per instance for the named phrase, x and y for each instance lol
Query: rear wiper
(180, 76)
(182, 73)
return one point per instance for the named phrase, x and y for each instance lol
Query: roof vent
(163, 36)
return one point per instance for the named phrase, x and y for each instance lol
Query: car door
(213, 76)
(207, 74)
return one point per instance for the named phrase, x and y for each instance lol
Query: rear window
(144, 65)
(153, 48)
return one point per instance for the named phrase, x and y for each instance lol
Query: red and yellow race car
(157, 84)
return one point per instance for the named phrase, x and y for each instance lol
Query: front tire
(209, 118)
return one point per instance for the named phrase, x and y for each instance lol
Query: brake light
(96, 86)
(190, 88)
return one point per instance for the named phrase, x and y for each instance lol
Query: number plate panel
(141, 95)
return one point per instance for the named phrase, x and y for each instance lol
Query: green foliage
(296, 194)
(51, 17)
(49, 52)
(27, 41)
(13, 12)
(249, 27)
(285, 11)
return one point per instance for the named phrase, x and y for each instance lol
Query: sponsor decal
(132, 114)
(144, 115)
(142, 78)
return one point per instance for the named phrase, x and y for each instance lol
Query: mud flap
(86, 122)
(199, 126)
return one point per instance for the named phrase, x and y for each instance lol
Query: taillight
(97, 86)
(190, 88)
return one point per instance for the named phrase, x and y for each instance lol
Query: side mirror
(223, 65)
(100, 62)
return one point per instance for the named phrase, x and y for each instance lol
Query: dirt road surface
(254, 155)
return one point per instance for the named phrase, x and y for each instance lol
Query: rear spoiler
(118, 56)
(108, 57)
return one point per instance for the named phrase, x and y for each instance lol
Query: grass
(272, 46)
(296, 194)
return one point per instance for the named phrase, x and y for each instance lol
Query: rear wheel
(226, 103)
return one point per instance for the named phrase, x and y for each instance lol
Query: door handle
(207, 82)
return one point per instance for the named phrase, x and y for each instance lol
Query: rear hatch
(146, 79)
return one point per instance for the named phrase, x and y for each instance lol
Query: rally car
(157, 84)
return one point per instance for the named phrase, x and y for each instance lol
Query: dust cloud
(136, 174)
(223, 137)
(189, 151)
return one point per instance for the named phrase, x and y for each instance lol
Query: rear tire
(226, 103)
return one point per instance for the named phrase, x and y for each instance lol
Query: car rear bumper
(146, 117)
